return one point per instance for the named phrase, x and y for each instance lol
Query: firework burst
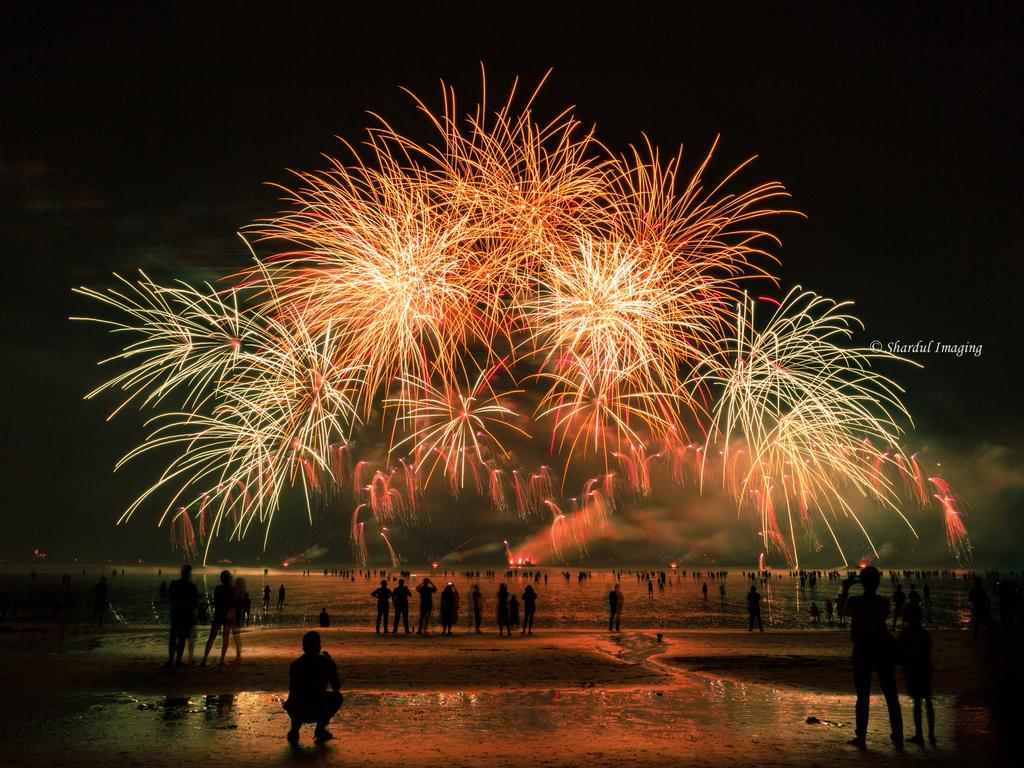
(607, 286)
(803, 405)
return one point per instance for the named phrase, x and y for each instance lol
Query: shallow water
(134, 598)
(702, 720)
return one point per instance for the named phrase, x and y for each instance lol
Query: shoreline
(556, 698)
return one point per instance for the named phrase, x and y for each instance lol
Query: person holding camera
(874, 650)
(426, 591)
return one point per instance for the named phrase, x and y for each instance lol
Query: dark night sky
(144, 137)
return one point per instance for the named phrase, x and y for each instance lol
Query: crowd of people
(512, 607)
(507, 608)
(875, 650)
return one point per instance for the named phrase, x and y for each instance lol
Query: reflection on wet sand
(701, 720)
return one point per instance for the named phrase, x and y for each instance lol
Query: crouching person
(309, 701)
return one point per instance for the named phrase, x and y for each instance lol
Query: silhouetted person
(449, 608)
(426, 592)
(162, 591)
(502, 616)
(873, 650)
(916, 655)
(266, 597)
(650, 590)
(183, 596)
(223, 618)
(914, 598)
(309, 701)
(400, 597)
(325, 619)
(529, 609)
(704, 591)
(898, 601)
(383, 595)
(829, 612)
(477, 601)
(615, 603)
(721, 593)
(280, 597)
(513, 613)
(814, 612)
(981, 606)
(754, 610)
(100, 594)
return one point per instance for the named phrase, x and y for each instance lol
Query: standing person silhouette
(266, 597)
(309, 701)
(913, 598)
(529, 609)
(873, 651)
(383, 595)
(981, 606)
(503, 611)
(476, 599)
(704, 591)
(280, 597)
(183, 597)
(916, 656)
(449, 608)
(754, 609)
(223, 618)
(615, 602)
(899, 599)
(400, 598)
(613, 598)
(426, 591)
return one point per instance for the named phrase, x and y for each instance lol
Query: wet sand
(564, 697)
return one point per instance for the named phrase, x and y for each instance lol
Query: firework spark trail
(587, 517)
(524, 504)
(395, 560)
(956, 532)
(358, 538)
(341, 466)
(496, 491)
(182, 533)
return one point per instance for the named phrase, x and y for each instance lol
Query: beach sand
(84, 697)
